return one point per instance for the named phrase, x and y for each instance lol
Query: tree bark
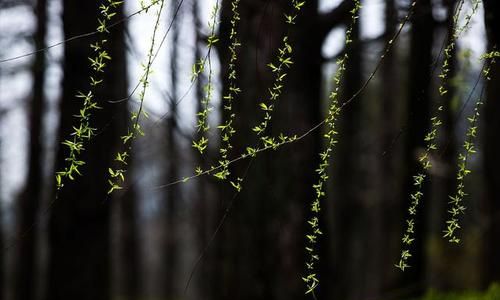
(385, 229)
(31, 196)
(441, 275)
(491, 146)
(260, 247)
(2, 254)
(172, 195)
(418, 116)
(206, 199)
(348, 206)
(129, 245)
(79, 225)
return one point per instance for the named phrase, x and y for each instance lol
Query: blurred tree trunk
(245, 253)
(127, 204)
(3, 253)
(384, 230)
(171, 208)
(348, 202)
(491, 146)
(418, 114)
(31, 196)
(260, 248)
(205, 198)
(442, 253)
(79, 226)
(129, 249)
(172, 196)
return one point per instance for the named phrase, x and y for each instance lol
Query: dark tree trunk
(347, 179)
(491, 145)
(172, 196)
(171, 207)
(418, 112)
(444, 178)
(129, 263)
(205, 197)
(79, 226)
(31, 196)
(262, 240)
(384, 231)
(3, 253)
(244, 252)
(260, 247)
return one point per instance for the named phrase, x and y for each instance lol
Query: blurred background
(151, 239)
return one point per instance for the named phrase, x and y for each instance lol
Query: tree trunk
(129, 245)
(31, 196)
(172, 196)
(418, 114)
(491, 146)
(79, 225)
(384, 231)
(261, 246)
(441, 275)
(3, 253)
(348, 177)
(206, 201)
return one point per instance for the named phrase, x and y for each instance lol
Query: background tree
(2, 256)
(206, 201)
(129, 263)
(172, 197)
(127, 206)
(491, 146)
(158, 229)
(79, 226)
(31, 197)
(385, 237)
(444, 179)
(347, 201)
(418, 114)
(261, 244)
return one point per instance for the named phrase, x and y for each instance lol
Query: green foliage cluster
(226, 129)
(202, 124)
(431, 148)
(84, 131)
(417, 194)
(311, 278)
(279, 68)
(454, 35)
(457, 31)
(468, 149)
(280, 71)
(117, 177)
(250, 153)
(456, 207)
(456, 200)
(455, 203)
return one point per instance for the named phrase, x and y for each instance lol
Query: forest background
(170, 229)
